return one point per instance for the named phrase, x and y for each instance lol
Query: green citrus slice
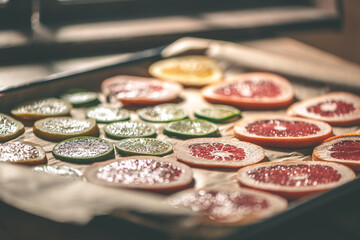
(42, 108)
(162, 113)
(121, 130)
(104, 114)
(81, 98)
(83, 150)
(218, 113)
(60, 128)
(63, 171)
(191, 129)
(22, 152)
(143, 146)
(9, 128)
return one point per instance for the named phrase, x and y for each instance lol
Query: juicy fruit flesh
(139, 171)
(163, 113)
(16, 151)
(250, 89)
(107, 114)
(188, 69)
(299, 175)
(45, 106)
(144, 145)
(332, 108)
(192, 127)
(7, 126)
(131, 129)
(219, 205)
(82, 147)
(217, 151)
(134, 89)
(346, 150)
(66, 126)
(282, 128)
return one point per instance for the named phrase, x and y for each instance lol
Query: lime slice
(63, 171)
(60, 128)
(83, 150)
(121, 130)
(162, 113)
(108, 114)
(42, 108)
(218, 113)
(22, 152)
(81, 98)
(191, 129)
(9, 128)
(143, 146)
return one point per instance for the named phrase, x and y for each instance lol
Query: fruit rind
(91, 98)
(235, 115)
(20, 128)
(110, 134)
(168, 129)
(126, 152)
(143, 113)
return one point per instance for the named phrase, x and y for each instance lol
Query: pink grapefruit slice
(229, 205)
(336, 108)
(215, 152)
(252, 91)
(140, 172)
(295, 179)
(343, 149)
(285, 132)
(140, 90)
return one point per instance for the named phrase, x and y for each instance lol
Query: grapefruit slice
(343, 149)
(9, 128)
(22, 152)
(252, 91)
(215, 152)
(63, 171)
(83, 150)
(167, 112)
(143, 146)
(121, 130)
(230, 205)
(42, 108)
(190, 128)
(61, 128)
(285, 132)
(336, 108)
(295, 179)
(218, 113)
(81, 97)
(140, 172)
(104, 114)
(188, 70)
(140, 90)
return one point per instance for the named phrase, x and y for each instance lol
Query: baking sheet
(65, 200)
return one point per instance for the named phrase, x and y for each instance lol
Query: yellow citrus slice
(25, 153)
(9, 128)
(188, 70)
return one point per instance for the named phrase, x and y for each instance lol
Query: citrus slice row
(143, 146)
(294, 179)
(162, 113)
(140, 172)
(121, 130)
(104, 114)
(81, 98)
(83, 150)
(191, 129)
(218, 113)
(9, 128)
(279, 131)
(230, 205)
(215, 152)
(22, 152)
(344, 149)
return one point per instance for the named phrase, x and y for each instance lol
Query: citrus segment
(140, 90)
(9, 128)
(60, 128)
(42, 108)
(22, 152)
(162, 113)
(121, 130)
(191, 129)
(337, 108)
(144, 146)
(252, 91)
(218, 113)
(187, 70)
(343, 149)
(214, 152)
(230, 205)
(104, 114)
(81, 98)
(287, 132)
(294, 179)
(63, 171)
(151, 173)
